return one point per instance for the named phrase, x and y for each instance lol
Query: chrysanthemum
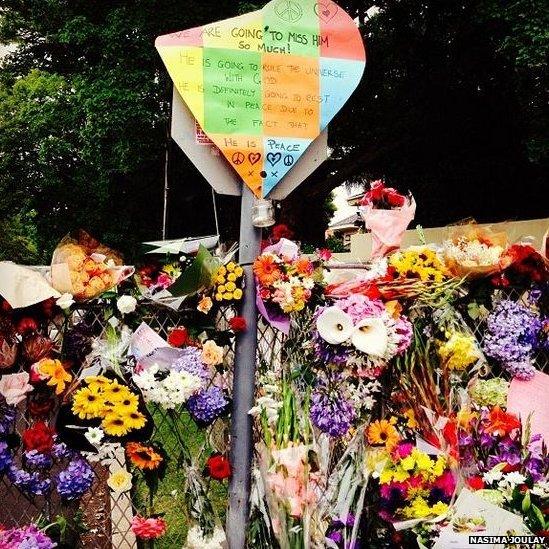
(383, 432)
(143, 457)
(87, 403)
(115, 425)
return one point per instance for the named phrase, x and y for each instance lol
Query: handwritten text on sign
(264, 85)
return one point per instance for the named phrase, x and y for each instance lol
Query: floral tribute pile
(93, 400)
(408, 407)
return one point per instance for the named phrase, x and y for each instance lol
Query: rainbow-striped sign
(264, 85)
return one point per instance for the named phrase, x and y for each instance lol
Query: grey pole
(243, 384)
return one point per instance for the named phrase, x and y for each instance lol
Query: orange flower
(384, 433)
(54, 370)
(143, 457)
(501, 423)
(266, 270)
(303, 266)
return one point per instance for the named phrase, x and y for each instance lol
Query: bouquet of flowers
(386, 214)
(285, 281)
(474, 251)
(26, 536)
(85, 268)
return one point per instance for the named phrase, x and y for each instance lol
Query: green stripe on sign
(232, 91)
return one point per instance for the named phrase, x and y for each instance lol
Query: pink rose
(14, 387)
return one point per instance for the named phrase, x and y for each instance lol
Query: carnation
(148, 528)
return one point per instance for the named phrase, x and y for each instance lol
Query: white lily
(334, 325)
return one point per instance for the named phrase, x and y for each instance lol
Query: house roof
(346, 222)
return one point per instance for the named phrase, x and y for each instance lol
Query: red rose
(238, 324)
(178, 337)
(218, 467)
(39, 437)
(476, 483)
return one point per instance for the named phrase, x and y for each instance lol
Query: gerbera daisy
(383, 432)
(115, 425)
(266, 270)
(115, 392)
(87, 403)
(134, 419)
(127, 405)
(143, 457)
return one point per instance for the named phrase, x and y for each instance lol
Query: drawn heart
(274, 158)
(264, 85)
(326, 11)
(254, 158)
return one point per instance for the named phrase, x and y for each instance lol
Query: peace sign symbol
(238, 158)
(289, 11)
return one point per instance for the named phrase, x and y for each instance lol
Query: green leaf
(526, 502)
(198, 276)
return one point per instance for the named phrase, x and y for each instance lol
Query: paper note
(264, 85)
(473, 515)
(530, 397)
(145, 340)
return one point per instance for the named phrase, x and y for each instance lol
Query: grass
(171, 498)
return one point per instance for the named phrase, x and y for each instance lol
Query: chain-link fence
(105, 516)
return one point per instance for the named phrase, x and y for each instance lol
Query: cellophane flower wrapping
(85, 268)
(474, 251)
(387, 226)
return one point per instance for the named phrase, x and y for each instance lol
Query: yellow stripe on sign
(240, 33)
(184, 64)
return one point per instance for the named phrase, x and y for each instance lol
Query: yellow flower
(237, 294)
(382, 432)
(440, 508)
(231, 277)
(87, 403)
(412, 422)
(218, 297)
(99, 381)
(54, 370)
(114, 425)
(127, 405)
(238, 271)
(212, 353)
(459, 351)
(423, 461)
(221, 289)
(222, 271)
(408, 463)
(115, 392)
(134, 419)
(228, 296)
(230, 286)
(220, 280)
(120, 481)
(231, 267)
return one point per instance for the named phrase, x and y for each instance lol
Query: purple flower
(28, 537)
(75, 480)
(331, 412)
(207, 405)
(5, 457)
(512, 337)
(405, 332)
(7, 418)
(61, 451)
(190, 361)
(38, 460)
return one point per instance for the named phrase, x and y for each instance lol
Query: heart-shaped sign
(264, 85)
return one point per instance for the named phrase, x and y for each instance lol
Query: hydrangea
(512, 337)
(331, 412)
(38, 460)
(207, 405)
(75, 480)
(28, 537)
(490, 392)
(190, 361)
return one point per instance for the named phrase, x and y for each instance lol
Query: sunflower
(143, 457)
(87, 403)
(134, 419)
(115, 425)
(383, 432)
(266, 270)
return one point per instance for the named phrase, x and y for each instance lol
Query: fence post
(243, 384)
